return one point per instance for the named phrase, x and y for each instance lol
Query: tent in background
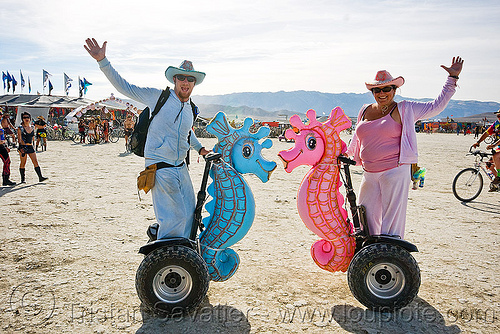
(46, 105)
(110, 103)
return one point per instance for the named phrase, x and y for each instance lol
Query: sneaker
(152, 231)
(496, 180)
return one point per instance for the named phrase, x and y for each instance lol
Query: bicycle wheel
(467, 185)
(76, 137)
(489, 140)
(113, 137)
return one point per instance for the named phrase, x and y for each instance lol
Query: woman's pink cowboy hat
(384, 78)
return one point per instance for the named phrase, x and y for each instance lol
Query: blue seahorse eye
(311, 143)
(247, 151)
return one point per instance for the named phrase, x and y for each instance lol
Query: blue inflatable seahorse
(232, 208)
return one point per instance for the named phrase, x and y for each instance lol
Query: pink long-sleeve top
(411, 112)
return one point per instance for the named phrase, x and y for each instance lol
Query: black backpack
(140, 133)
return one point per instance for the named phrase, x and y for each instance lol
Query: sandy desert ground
(68, 250)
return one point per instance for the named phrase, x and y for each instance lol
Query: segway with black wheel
(173, 277)
(383, 275)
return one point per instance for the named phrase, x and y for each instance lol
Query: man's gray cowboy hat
(384, 78)
(186, 68)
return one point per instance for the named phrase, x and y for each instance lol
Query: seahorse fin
(339, 120)
(219, 126)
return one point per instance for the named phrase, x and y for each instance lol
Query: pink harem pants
(385, 197)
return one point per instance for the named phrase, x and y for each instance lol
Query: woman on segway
(385, 144)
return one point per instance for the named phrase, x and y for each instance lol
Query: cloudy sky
(255, 46)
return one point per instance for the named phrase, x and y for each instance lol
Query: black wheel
(489, 140)
(113, 137)
(467, 185)
(76, 137)
(172, 280)
(383, 277)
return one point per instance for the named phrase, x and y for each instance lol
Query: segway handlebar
(476, 151)
(346, 160)
(211, 156)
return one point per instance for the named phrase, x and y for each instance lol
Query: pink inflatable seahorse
(319, 201)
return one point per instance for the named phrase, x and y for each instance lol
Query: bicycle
(11, 141)
(114, 135)
(468, 183)
(79, 138)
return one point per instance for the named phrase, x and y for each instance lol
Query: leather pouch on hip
(146, 178)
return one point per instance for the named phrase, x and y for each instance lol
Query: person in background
(4, 155)
(105, 129)
(129, 128)
(477, 131)
(81, 130)
(92, 131)
(385, 144)
(8, 128)
(25, 134)
(494, 129)
(41, 132)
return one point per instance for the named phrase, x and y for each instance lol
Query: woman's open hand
(456, 66)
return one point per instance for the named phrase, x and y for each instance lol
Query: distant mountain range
(281, 105)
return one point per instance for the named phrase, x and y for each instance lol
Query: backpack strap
(165, 94)
(195, 111)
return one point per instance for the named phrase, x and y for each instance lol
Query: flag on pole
(85, 85)
(50, 87)
(80, 87)
(29, 85)
(9, 79)
(4, 79)
(14, 84)
(67, 83)
(45, 77)
(23, 83)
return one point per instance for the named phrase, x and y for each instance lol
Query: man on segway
(169, 138)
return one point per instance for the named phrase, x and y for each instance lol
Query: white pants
(385, 197)
(173, 202)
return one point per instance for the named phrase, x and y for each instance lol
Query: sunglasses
(26, 117)
(385, 89)
(183, 77)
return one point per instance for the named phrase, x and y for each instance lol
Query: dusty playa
(68, 251)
